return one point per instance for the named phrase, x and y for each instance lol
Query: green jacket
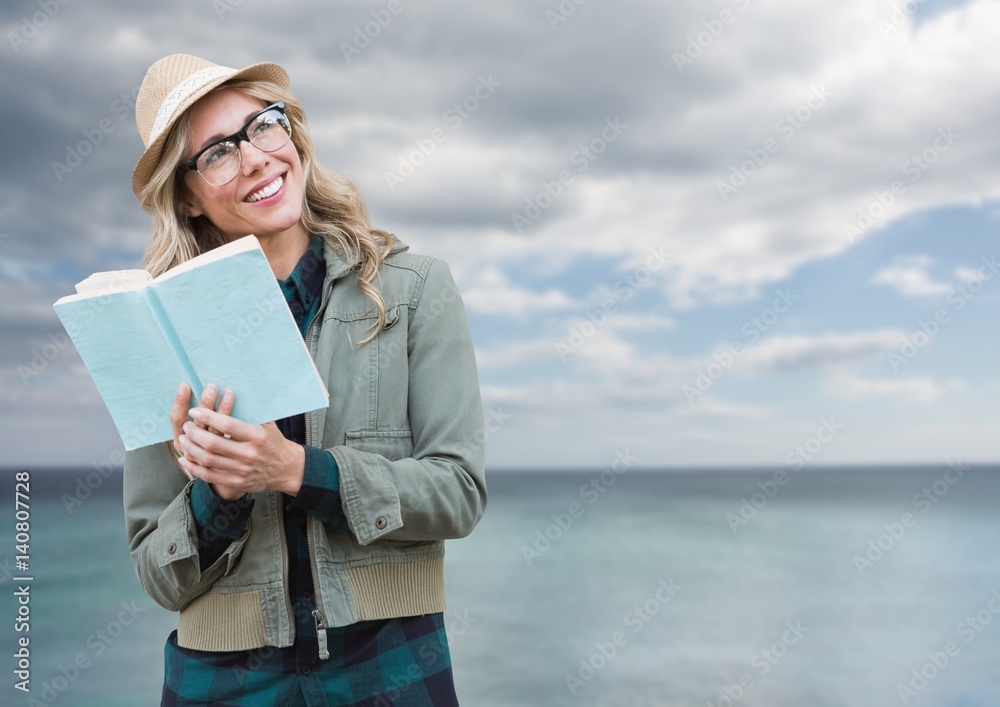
(405, 426)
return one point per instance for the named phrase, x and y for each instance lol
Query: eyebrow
(219, 136)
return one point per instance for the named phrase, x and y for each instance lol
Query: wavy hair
(333, 208)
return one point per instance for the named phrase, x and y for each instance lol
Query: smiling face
(266, 197)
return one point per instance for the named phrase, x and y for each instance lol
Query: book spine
(163, 322)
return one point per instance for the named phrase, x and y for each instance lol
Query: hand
(179, 415)
(237, 457)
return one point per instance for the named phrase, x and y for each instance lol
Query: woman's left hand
(240, 455)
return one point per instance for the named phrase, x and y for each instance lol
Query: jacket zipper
(317, 613)
(284, 564)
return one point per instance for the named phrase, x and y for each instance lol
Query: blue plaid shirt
(372, 662)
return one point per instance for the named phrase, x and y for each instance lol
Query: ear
(190, 206)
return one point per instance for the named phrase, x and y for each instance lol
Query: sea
(839, 587)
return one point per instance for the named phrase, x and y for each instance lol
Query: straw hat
(171, 86)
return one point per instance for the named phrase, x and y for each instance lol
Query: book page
(129, 360)
(110, 282)
(223, 251)
(225, 312)
(232, 320)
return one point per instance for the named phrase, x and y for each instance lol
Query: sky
(714, 234)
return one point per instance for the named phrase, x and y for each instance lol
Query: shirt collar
(304, 286)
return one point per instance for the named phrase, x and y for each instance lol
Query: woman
(304, 556)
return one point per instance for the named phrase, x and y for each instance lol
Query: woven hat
(171, 86)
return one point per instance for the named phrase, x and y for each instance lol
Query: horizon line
(705, 468)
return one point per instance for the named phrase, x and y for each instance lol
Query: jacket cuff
(218, 522)
(372, 500)
(320, 491)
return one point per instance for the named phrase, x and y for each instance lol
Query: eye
(263, 124)
(216, 153)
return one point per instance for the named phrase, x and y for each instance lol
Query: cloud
(791, 353)
(516, 353)
(840, 124)
(913, 391)
(908, 275)
(610, 374)
(709, 407)
(642, 322)
(492, 293)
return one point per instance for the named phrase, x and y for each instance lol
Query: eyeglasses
(220, 162)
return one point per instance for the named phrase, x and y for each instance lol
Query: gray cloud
(655, 186)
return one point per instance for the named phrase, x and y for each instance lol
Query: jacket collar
(338, 264)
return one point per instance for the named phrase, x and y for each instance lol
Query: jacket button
(172, 548)
(380, 522)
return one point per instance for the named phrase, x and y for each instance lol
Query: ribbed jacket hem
(235, 622)
(399, 589)
(222, 622)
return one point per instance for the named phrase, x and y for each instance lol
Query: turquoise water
(638, 592)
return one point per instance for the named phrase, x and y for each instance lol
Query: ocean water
(843, 587)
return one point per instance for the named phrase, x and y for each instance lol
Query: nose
(252, 158)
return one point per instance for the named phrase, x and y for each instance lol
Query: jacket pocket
(391, 444)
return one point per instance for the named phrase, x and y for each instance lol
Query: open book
(218, 318)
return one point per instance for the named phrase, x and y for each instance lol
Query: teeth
(267, 191)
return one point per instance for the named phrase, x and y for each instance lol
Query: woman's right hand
(179, 415)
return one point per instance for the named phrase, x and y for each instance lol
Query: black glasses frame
(239, 136)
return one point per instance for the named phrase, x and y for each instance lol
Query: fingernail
(227, 397)
(186, 427)
(181, 389)
(211, 389)
(196, 413)
(183, 440)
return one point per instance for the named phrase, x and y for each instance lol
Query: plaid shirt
(403, 661)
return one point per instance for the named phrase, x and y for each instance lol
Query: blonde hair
(333, 208)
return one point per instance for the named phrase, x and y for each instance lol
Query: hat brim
(150, 158)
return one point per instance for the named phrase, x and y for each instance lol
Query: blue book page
(132, 365)
(232, 321)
